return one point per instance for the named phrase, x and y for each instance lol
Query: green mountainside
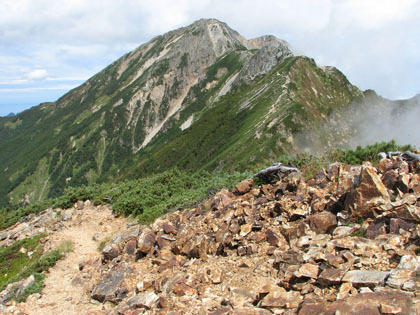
(200, 97)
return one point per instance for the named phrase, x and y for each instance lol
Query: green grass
(15, 265)
(145, 198)
(12, 261)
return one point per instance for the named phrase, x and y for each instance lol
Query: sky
(48, 47)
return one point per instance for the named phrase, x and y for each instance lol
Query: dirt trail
(66, 287)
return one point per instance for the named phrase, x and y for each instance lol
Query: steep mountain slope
(197, 97)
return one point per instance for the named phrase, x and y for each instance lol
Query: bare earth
(66, 287)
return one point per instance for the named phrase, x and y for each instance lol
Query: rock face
(255, 251)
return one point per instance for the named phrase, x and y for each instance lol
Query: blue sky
(48, 47)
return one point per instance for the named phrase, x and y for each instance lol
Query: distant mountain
(199, 97)
(10, 115)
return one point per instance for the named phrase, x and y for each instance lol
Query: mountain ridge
(199, 97)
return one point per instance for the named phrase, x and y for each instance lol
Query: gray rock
(112, 287)
(366, 277)
(3, 236)
(67, 215)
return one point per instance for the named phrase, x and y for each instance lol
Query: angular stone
(410, 262)
(331, 276)
(402, 278)
(397, 224)
(246, 229)
(276, 240)
(146, 241)
(111, 288)
(130, 247)
(182, 289)
(379, 228)
(278, 299)
(110, 251)
(308, 270)
(324, 222)
(67, 215)
(145, 300)
(343, 231)
(369, 194)
(244, 186)
(390, 309)
(366, 277)
(168, 228)
(345, 289)
(390, 179)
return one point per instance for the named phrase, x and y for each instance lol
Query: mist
(373, 119)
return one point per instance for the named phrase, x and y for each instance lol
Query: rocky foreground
(344, 242)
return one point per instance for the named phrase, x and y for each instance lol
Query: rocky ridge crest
(346, 241)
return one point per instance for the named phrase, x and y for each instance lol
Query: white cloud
(376, 43)
(38, 74)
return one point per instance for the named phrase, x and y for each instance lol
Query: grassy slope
(79, 146)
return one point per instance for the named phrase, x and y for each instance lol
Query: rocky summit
(346, 241)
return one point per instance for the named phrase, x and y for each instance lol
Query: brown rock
(345, 289)
(379, 228)
(308, 270)
(146, 241)
(246, 229)
(145, 300)
(278, 299)
(111, 288)
(130, 247)
(182, 289)
(368, 195)
(163, 302)
(397, 224)
(331, 276)
(402, 279)
(220, 311)
(369, 303)
(390, 179)
(168, 228)
(324, 222)
(312, 307)
(390, 309)
(110, 251)
(244, 186)
(276, 240)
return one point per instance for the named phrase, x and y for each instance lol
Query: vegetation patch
(25, 258)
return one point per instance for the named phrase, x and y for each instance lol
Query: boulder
(368, 195)
(244, 186)
(323, 222)
(369, 278)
